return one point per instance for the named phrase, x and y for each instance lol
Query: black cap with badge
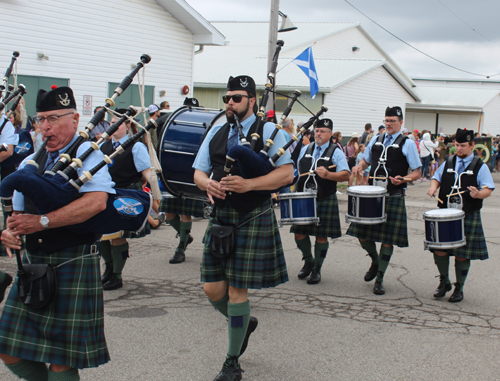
(191, 102)
(57, 98)
(242, 82)
(464, 136)
(394, 111)
(327, 123)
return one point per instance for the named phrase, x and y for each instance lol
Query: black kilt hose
(393, 232)
(474, 235)
(182, 206)
(328, 213)
(258, 261)
(69, 331)
(147, 228)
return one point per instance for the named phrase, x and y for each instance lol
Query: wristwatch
(44, 221)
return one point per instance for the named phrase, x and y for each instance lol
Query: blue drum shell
(369, 207)
(449, 231)
(301, 208)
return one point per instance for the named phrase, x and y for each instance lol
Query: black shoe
(443, 287)
(378, 288)
(252, 325)
(306, 270)
(231, 370)
(457, 295)
(315, 277)
(178, 257)
(107, 272)
(371, 273)
(3, 286)
(113, 283)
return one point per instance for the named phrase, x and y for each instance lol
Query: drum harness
(314, 165)
(383, 160)
(456, 201)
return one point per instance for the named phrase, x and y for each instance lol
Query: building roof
(454, 98)
(246, 51)
(204, 33)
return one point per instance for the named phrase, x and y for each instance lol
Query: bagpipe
(252, 164)
(8, 72)
(21, 89)
(128, 209)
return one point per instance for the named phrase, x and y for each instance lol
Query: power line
(458, 17)
(418, 50)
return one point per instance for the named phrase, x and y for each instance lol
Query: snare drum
(366, 205)
(298, 208)
(181, 138)
(444, 229)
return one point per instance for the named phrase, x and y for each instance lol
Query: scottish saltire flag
(305, 62)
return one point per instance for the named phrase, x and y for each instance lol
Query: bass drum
(180, 140)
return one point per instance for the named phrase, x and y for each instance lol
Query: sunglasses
(236, 98)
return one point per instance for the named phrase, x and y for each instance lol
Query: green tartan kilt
(182, 206)
(147, 228)
(328, 213)
(474, 235)
(258, 261)
(70, 330)
(393, 232)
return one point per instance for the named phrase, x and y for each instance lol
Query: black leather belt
(398, 192)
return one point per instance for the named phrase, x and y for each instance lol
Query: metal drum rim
(296, 195)
(457, 213)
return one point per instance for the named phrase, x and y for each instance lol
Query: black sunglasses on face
(236, 98)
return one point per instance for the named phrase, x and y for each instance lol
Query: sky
(462, 33)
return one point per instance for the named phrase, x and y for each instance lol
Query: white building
(358, 80)
(448, 104)
(92, 45)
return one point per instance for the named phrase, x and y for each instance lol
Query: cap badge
(244, 83)
(468, 138)
(398, 112)
(326, 122)
(64, 101)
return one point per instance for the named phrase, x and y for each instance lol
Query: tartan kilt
(147, 228)
(393, 232)
(258, 261)
(182, 206)
(474, 235)
(328, 213)
(69, 331)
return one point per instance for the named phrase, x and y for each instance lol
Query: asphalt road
(161, 327)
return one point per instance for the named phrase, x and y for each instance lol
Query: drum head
(448, 213)
(371, 190)
(179, 142)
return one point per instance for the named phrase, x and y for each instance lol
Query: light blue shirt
(140, 153)
(338, 158)
(101, 181)
(203, 163)
(8, 135)
(409, 151)
(483, 177)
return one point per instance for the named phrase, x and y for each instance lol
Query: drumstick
(311, 172)
(440, 201)
(467, 190)
(385, 178)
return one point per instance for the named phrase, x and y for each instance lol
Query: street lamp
(286, 24)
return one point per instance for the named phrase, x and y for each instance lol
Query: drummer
(394, 231)
(319, 156)
(472, 202)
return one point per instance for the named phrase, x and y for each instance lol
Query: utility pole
(273, 37)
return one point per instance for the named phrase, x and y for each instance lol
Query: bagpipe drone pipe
(99, 115)
(128, 209)
(7, 74)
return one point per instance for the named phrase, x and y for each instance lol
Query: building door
(131, 97)
(33, 84)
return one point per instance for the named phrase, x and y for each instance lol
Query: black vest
(57, 239)
(396, 163)
(448, 179)
(123, 171)
(242, 202)
(325, 187)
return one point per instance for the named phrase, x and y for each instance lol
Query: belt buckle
(93, 249)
